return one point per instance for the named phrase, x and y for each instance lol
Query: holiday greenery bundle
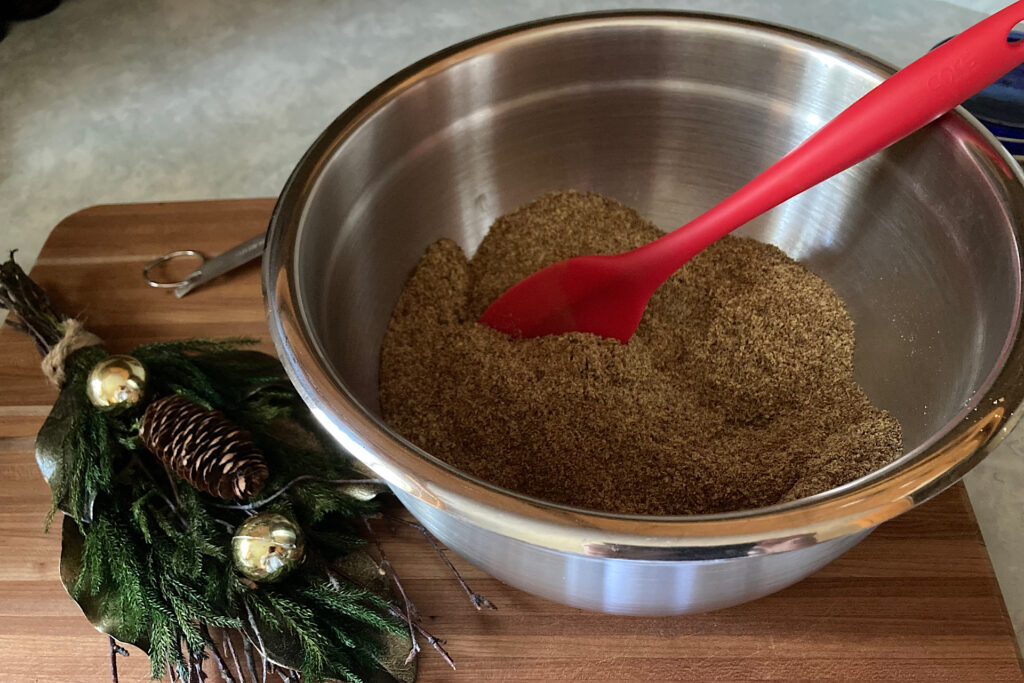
(191, 522)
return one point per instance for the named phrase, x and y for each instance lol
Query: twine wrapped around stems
(75, 337)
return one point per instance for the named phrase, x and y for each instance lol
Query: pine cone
(204, 448)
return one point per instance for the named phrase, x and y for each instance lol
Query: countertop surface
(916, 600)
(107, 101)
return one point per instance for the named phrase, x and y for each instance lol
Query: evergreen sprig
(147, 556)
(155, 552)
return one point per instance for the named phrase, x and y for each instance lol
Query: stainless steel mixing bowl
(668, 113)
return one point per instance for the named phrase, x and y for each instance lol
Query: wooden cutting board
(916, 600)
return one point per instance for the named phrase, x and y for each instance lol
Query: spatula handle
(905, 102)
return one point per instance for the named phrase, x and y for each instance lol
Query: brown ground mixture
(736, 391)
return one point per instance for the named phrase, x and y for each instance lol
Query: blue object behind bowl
(1000, 107)
(1014, 147)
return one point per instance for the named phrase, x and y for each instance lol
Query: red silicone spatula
(607, 295)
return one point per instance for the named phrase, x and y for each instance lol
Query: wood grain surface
(916, 600)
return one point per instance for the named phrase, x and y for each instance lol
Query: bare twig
(259, 640)
(250, 661)
(434, 642)
(297, 480)
(174, 487)
(115, 650)
(285, 674)
(478, 601)
(197, 666)
(388, 570)
(36, 313)
(226, 639)
(222, 666)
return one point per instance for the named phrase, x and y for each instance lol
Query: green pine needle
(157, 552)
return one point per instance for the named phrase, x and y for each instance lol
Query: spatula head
(596, 294)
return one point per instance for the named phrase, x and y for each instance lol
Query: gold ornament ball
(116, 382)
(267, 546)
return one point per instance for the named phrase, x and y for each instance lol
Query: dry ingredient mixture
(736, 391)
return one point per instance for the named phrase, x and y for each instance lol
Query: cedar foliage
(157, 551)
(147, 556)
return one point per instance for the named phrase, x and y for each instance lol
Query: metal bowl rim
(856, 506)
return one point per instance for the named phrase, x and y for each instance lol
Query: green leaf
(365, 491)
(101, 611)
(54, 455)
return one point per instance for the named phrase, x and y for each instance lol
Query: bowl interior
(670, 115)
